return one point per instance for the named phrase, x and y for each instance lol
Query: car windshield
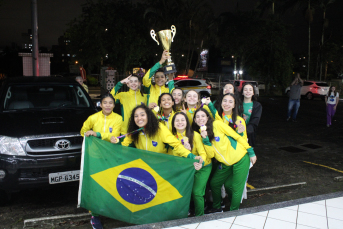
(322, 84)
(20, 97)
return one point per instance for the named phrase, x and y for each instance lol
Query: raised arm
(152, 71)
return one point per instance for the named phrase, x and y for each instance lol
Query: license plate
(55, 178)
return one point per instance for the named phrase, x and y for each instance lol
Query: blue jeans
(294, 105)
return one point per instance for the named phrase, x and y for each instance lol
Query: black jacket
(253, 122)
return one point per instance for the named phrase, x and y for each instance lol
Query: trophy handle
(153, 35)
(173, 31)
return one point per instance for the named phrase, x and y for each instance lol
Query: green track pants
(200, 180)
(234, 178)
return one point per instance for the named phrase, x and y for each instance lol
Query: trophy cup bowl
(166, 37)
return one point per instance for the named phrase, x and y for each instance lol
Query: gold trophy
(166, 38)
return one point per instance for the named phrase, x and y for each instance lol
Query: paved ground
(274, 166)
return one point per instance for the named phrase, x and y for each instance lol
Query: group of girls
(182, 124)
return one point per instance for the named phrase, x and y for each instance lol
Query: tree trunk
(321, 47)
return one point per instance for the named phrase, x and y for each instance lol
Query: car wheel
(309, 96)
(288, 93)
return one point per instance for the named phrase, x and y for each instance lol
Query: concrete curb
(199, 219)
(54, 220)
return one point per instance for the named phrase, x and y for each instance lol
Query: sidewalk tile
(213, 224)
(315, 209)
(279, 224)
(228, 220)
(234, 226)
(252, 221)
(335, 213)
(304, 227)
(265, 213)
(321, 202)
(335, 224)
(190, 226)
(336, 202)
(310, 220)
(283, 214)
(294, 208)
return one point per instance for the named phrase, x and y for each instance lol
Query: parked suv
(312, 89)
(40, 142)
(240, 83)
(198, 85)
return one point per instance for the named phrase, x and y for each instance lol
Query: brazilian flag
(133, 185)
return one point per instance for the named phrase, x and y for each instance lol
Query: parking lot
(287, 153)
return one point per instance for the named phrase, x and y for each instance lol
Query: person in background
(294, 97)
(331, 100)
(79, 79)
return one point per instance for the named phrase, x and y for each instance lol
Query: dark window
(194, 83)
(20, 97)
(322, 84)
(307, 83)
(182, 83)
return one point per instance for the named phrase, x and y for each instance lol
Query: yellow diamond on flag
(136, 185)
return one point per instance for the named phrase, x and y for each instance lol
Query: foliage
(92, 80)
(260, 44)
(111, 32)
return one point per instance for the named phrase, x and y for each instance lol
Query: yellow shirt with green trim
(105, 126)
(227, 150)
(223, 119)
(198, 147)
(191, 111)
(168, 122)
(154, 91)
(128, 101)
(159, 142)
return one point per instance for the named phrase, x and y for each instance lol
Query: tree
(111, 32)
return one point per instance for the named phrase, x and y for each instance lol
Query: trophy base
(170, 68)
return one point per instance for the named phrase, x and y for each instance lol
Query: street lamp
(240, 72)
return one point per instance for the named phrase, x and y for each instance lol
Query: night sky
(53, 15)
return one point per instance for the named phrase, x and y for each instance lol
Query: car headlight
(11, 146)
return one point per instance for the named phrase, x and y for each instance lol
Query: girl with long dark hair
(227, 112)
(192, 103)
(252, 111)
(166, 109)
(193, 142)
(232, 153)
(178, 96)
(229, 88)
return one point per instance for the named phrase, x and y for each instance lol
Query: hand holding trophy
(166, 38)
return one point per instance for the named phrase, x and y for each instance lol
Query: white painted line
(276, 187)
(38, 221)
(338, 179)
